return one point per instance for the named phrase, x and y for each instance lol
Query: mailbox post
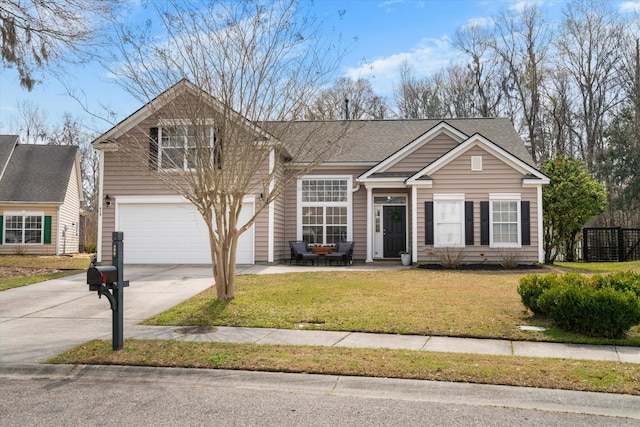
(109, 281)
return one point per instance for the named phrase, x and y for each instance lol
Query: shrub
(450, 257)
(591, 310)
(621, 281)
(90, 247)
(532, 286)
(509, 259)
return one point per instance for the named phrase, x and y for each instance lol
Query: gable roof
(37, 173)
(530, 173)
(373, 141)
(107, 139)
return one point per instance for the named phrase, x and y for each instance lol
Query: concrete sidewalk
(44, 319)
(408, 342)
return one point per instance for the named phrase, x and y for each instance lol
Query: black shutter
(428, 223)
(484, 223)
(468, 223)
(525, 216)
(153, 148)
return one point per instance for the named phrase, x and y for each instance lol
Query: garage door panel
(172, 233)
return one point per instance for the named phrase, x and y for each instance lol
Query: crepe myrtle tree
(245, 71)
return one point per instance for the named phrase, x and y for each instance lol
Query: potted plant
(406, 257)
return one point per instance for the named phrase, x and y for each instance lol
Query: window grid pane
(322, 224)
(21, 229)
(505, 222)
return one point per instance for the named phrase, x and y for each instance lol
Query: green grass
(16, 282)
(420, 302)
(32, 268)
(75, 262)
(584, 375)
(455, 303)
(600, 267)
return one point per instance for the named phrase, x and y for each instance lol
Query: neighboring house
(40, 195)
(424, 186)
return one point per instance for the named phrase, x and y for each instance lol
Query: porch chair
(299, 253)
(343, 253)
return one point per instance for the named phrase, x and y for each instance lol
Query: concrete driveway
(44, 319)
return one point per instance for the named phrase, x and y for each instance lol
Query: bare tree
(418, 98)
(488, 78)
(31, 123)
(522, 42)
(37, 32)
(347, 99)
(252, 68)
(589, 49)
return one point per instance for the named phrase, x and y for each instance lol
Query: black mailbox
(97, 276)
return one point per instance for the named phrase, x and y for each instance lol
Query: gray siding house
(40, 196)
(418, 186)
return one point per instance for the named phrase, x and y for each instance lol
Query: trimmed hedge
(605, 306)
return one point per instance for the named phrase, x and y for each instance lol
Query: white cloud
(630, 6)
(479, 22)
(425, 59)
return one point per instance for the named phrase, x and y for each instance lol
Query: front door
(394, 220)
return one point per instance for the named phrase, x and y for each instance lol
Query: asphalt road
(110, 396)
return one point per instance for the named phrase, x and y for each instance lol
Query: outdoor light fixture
(107, 200)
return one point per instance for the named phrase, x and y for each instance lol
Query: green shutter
(1, 229)
(47, 230)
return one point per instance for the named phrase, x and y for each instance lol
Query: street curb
(602, 404)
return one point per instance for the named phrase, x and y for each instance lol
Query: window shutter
(484, 223)
(153, 148)
(525, 216)
(428, 223)
(1, 229)
(47, 230)
(468, 223)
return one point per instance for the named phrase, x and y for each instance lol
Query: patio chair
(343, 253)
(294, 254)
(299, 253)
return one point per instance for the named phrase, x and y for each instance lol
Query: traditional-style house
(40, 196)
(427, 187)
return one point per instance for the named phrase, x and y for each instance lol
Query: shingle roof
(7, 142)
(375, 140)
(37, 173)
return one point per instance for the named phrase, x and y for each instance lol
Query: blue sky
(382, 34)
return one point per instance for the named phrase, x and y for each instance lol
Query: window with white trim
(324, 207)
(23, 228)
(504, 224)
(179, 146)
(448, 218)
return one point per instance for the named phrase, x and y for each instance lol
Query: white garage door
(173, 233)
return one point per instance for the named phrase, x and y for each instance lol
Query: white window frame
(505, 197)
(23, 214)
(185, 142)
(439, 199)
(348, 204)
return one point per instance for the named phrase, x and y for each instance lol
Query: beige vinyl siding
(281, 248)
(496, 177)
(127, 173)
(70, 215)
(424, 155)
(48, 210)
(359, 211)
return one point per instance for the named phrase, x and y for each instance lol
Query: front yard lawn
(21, 270)
(481, 304)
